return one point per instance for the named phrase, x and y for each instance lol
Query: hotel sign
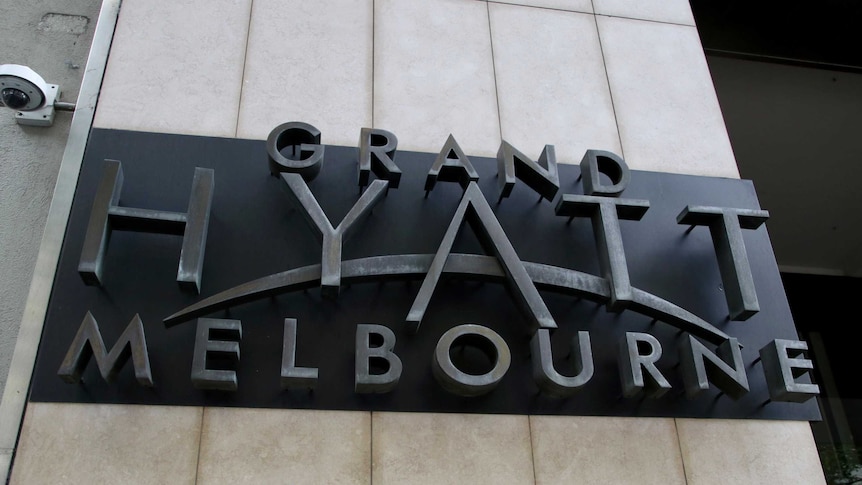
(293, 274)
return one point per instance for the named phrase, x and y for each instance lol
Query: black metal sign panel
(234, 284)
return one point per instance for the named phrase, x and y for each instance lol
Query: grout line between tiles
(532, 449)
(494, 70)
(653, 21)
(244, 63)
(679, 444)
(610, 90)
(200, 444)
(590, 13)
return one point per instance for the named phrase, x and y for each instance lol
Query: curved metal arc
(415, 266)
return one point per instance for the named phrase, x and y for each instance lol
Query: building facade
(629, 78)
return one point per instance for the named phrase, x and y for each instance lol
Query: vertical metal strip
(23, 360)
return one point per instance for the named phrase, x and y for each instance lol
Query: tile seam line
(494, 71)
(244, 64)
(200, 445)
(532, 448)
(608, 79)
(539, 7)
(652, 21)
(679, 445)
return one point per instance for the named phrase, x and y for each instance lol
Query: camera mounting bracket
(43, 116)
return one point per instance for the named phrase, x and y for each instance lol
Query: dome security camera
(24, 91)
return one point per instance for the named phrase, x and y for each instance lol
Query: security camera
(24, 91)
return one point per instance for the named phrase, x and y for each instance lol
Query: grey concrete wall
(53, 38)
(624, 76)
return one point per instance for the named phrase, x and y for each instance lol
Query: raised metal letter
(547, 377)
(512, 163)
(451, 165)
(696, 374)
(88, 343)
(107, 215)
(291, 376)
(605, 214)
(295, 133)
(782, 370)
(725, 227)
(366, 382)
(610, 164)
(633, 363)
(209, 339)
(332, 238)
(377, 154)
(482, 219)
(457, 382)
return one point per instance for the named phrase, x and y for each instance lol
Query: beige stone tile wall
(630, 78)
(176, 67)
(665, 11)
(666, 108)
(308, 61)
(551, 82)
(717, 451)
(434, 75)
(433, 449)
(585, 6)
(606, 450)
(257, 446)
(90, 443)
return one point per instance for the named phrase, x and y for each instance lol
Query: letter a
(474, 206)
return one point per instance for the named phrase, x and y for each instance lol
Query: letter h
(107, 215)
